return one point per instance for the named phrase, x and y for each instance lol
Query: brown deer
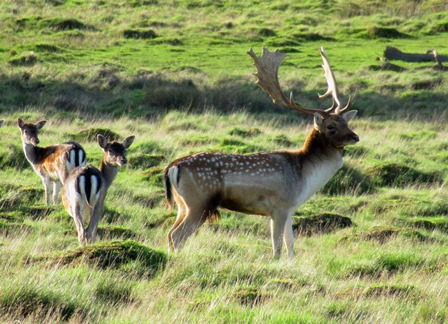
(86, 187)
(52, 163)
(271, 184)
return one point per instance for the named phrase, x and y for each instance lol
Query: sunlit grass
(378, 268)
(82, 66)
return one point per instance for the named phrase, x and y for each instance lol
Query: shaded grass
(36, 302)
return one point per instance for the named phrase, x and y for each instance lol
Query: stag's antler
(267, 78)
(332, 86)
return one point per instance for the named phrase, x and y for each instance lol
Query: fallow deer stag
(52, 163)
(86, 187)
(271, 184)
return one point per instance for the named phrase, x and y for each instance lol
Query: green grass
(227, 271)
(370, 246)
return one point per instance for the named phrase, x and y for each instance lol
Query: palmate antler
(267, 78)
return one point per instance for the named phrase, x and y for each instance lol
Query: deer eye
(331, 128)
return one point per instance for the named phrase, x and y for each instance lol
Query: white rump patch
(82, 187)
(94, 193)
(173, 175)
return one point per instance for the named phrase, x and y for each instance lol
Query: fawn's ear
(20, 122)
(102, 142)
(41, 124)
(128, 141)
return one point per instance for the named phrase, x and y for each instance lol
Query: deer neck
(32, 153)
(318, 162)
(316, 145)
(109, 172)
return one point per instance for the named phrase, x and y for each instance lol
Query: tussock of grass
(382, 291)
(7, 228)
(145, 161)
(384, 32)
(92, 133)
(114, 293)
(349, 180)
(398, 175)
(384, 233)
(320, 224)
(250, 296)
(139, 33)
(113, 254)
(13, 157)
(115, 232)
(154, 175)
(36, 302)
(26, 59)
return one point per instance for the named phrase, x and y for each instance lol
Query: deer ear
(128, 141)
(102, 142)
(41, 124)
(318, 121)
(20, 122)
(349, 115)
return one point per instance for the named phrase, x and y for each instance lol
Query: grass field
(371, 246)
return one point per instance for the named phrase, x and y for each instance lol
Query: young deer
(271, 184)
(86, 187)
(52, 163)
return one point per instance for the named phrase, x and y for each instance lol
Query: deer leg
(94, 221)
(56, 189)
(47, 187)
(288, 237)
(194, 218)
(278, 222)
(181, 212)
(75, 212)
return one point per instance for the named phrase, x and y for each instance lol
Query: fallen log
(392, 53)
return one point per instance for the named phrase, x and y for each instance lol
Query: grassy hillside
(370, 247)
(140, 58)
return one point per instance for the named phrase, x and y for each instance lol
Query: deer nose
(355, 137)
